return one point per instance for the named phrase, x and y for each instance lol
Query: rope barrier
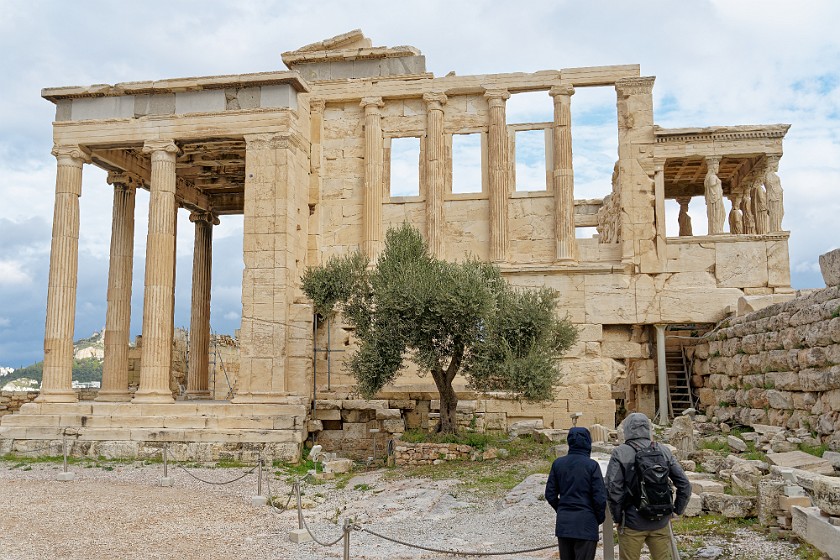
(274, 508)
(214, 483)
(452, 552)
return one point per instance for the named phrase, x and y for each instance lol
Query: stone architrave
(372, 220)
(684, 219)
(158, 300)
(714, 196)
(118, 314)
(197, 380)
(563, 175)
(435, 164)
(775, 202)
(57, 381)
(736, 217)
(499, 176)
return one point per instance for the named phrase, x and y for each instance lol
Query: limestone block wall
(11, 401)
(777, 366)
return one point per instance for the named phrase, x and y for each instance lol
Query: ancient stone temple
(305, 155)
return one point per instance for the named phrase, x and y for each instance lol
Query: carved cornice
(209, 217)
(435, 100)
(72, 155)
(709, 135)
(635, 86)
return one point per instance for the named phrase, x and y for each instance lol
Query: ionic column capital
(563, 90)
(208, 217)
(496, 97)
(124, 179)
(372, 105)
(164, 148)
(435, 100)
(73, 155)
(635, 86)
(317, 105)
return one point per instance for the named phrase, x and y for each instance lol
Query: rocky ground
(120, 511)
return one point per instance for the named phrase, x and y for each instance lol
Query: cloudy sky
(719, 62)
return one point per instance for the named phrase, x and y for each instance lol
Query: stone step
(194, 408)
(150, 434)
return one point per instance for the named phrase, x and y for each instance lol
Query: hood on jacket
(580, 441)
(636, 426)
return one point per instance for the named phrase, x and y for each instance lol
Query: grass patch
(715, 444)
(806, 551)
(816, 450)
(711, 524)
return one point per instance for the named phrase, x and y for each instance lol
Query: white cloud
(12, 272)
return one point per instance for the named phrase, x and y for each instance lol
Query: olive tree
(446, 317)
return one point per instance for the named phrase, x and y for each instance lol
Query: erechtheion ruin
(305, 156)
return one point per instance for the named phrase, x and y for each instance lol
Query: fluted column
(499, 173)
(57, 381)
(197, 382)
(435, 163)
(563, 175)
(372, 220)
(118, 314)
(158, 300)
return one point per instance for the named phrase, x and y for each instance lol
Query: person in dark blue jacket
(575, 489)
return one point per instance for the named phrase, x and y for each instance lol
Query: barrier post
(166, 480)
(64, 475)
(259, 499)
(299, 535)
(347, 539)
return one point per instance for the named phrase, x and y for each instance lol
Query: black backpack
(652, 492)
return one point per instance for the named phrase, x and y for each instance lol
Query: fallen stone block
(736, 444)
(832, 457)
(830, 268)
(706, 487)
(551, 436)
(730, 506)
(825, 492)
(338, 466)
(694, 507)
(815, 529)
(786, 502)
(801, 460)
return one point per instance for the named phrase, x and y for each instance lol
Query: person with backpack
(575, 489)
(639, 480)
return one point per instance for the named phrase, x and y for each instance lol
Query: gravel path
(124, 513)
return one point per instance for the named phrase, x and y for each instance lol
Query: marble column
(118, 314)
(775, 196)
(372, 218)
(563, 175)
(158, 300)
(197, 381)
(747, 211)
(499, 174)
(435, 164)
(736, 218)
(761, 213)
(662, 376)
(57, 381)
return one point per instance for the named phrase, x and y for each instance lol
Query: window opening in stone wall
(466, 163)
(585, 232)
(530, 107)
(594, 140)
(405, 167)
(697, 222)
(531, 171)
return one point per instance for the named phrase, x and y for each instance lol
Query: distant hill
(87, 364)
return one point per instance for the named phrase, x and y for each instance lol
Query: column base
(113, 396)
(157, 397)
(259, 397)
(57, 396)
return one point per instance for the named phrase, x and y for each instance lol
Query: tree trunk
(448, 405)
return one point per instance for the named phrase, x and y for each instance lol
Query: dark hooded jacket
(575, 489)
(621, 476)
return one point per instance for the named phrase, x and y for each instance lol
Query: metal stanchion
(299, 535)
(166, 480)
(65, 475)
(259, 499)
(346, 539)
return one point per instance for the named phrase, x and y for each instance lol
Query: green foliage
(446, 317)
(817, 450)
(836, 313)
(85, 370)
(714, 444)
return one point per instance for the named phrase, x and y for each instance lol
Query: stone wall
(777, 366)
(11, 401)
(413, 454)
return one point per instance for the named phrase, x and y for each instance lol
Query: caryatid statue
(760, 210)
(714, 196)
(775, 204)
(684, 219)
(736, 217)
(747, 209)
